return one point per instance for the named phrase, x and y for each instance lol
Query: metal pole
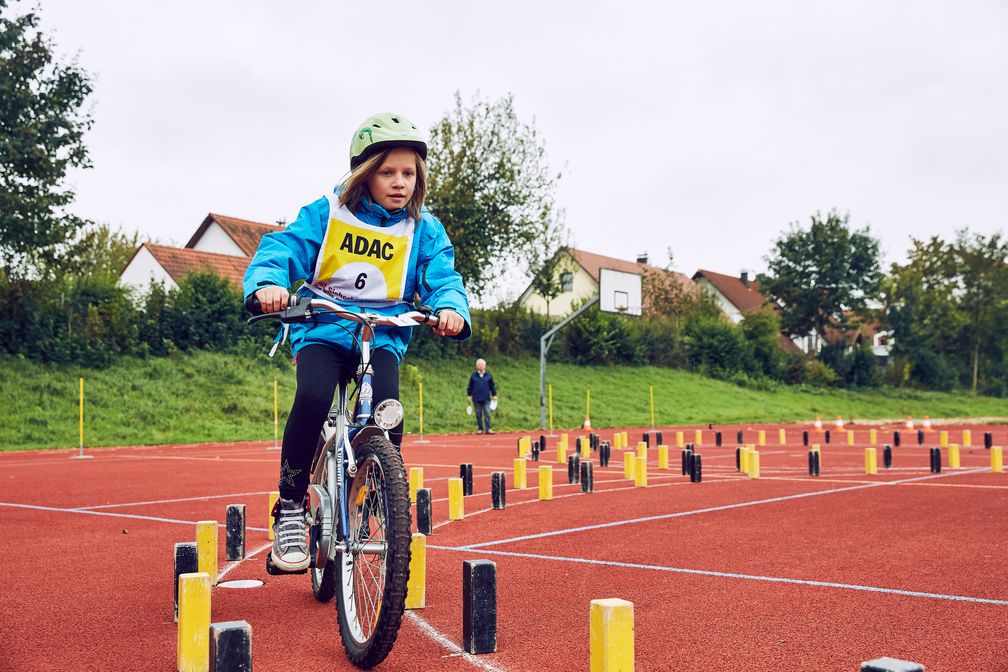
(421, 439)
(651, 393)
(544, 344)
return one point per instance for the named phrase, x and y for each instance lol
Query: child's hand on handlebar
(449, 323)
(272, 298)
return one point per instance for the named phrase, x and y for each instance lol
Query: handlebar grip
(252, 305)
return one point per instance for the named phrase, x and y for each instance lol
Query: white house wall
(143, 269)
(726, 306)
(215, 240)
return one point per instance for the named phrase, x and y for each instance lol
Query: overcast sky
(704, 127)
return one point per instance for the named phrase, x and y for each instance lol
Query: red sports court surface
(783, 572)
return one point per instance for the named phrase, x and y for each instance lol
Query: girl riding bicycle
(372, 244)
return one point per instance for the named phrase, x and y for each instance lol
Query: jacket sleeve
(493, 388)
(284, 257)
(469, 391)
(438, 283)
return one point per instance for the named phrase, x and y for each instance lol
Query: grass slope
(212, 397)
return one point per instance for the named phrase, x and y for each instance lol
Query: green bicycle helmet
(381, 131)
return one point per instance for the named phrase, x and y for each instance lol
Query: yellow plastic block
(193, 647)
(997, 460)
(611, 638)
(585, 449)
(943, 439)
(967, 438)
(850, 437)
(273, 497)
(640, 471)
(761, 437)
(873, 437)
(416, 587)
(744, 460)
(415, 482)
(680, 441)
(206, 549)
(782, 436)
(754, 464)
(545, 483)
(642, 450)
(626, 440)
(524, 446)
(520, 482)
(629, 464)
(698, 437)
(870, 461)
(563, 439)
(953, 453)
(663, 457)
(562, 454)
(456, 503)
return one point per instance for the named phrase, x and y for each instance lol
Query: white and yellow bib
(362, 263)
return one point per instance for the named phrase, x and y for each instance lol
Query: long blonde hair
(355, 188)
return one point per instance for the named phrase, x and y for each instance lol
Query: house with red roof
(736, 296)
(578, 273)
(222, 245)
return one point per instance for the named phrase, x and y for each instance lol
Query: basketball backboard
(619, 292)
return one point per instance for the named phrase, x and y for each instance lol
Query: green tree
(43, 122)
(817, 275)
(983, 299)
(490, 184)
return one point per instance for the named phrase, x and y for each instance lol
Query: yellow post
(587, 422)
(651, 394)
(415, 482)
(82, 415)
(754, 464)
(943, 439)
(456, 503)
(642, 455)
(520, 482)
(850, 437)
(416, 586)
(564, 440)
(585, 449)
(524, 446)
(997, 460)
(782, 435)
(206, 549)
(611, 636)
(625, 440)
(628, 464)
(762, 437)
(744, 460)
(967, 438)
(870, 461)
(561, 453)
(550, 387)
(953, 453)
(641, 448)
(640, 472)
(193, 646)
(663, 457)
(273, 497)
(698, 437)
(873, 437)
(276, 414)
(679, 440)
(545, 483)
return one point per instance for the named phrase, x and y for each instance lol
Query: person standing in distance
(483, 395)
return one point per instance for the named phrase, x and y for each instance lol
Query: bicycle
(358, 498)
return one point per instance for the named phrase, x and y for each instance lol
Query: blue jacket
(481, 388)
(287, 256)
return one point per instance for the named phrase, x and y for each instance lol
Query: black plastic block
(479, 606)
(498, 489)
(186, 562)
(423, 511)
(587, 477)
(466, 474)
(231, 647)
(234, 540)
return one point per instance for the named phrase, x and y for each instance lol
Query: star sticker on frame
(287, 474)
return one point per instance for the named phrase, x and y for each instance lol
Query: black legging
(319, 369)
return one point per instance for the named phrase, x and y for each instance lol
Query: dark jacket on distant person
(481, 388)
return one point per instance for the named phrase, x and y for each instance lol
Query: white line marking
(429, 630)
(171, 501)
(733, 575)
(248, 556)
(711, 509)
(89, 512)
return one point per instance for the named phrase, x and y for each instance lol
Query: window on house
(567, 282)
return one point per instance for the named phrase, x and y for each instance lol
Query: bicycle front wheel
(371, 589)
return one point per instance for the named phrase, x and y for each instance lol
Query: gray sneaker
(290, 536)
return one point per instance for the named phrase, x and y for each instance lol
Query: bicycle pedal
(276, 571)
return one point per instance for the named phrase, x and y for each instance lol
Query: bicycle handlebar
(303, 309)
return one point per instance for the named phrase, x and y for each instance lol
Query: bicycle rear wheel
(372, 576)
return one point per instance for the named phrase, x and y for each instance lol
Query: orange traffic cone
(818, 423)
(909, 423)
(839, 422)
(927, 422)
